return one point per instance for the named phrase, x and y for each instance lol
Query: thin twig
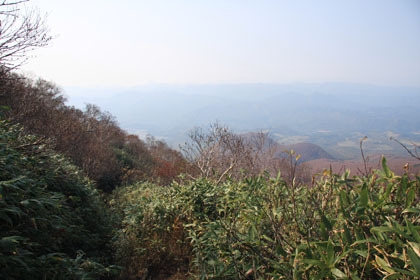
(414, 155)
(365, 159)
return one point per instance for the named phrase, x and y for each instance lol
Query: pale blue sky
(131, 42)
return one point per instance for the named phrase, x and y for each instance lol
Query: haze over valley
(334, 116)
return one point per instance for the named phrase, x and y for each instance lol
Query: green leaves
(385, 167)
(363, 197)
(415, 260)
(40, 215)
(339, 228)
(10, 243)
(338, 273)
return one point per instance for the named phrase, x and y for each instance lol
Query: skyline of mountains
(334, 116)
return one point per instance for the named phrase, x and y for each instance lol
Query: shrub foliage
(339, 227)
(53, 223)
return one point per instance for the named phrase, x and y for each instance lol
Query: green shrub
(340, 227)
(53, 223)
(151, 240)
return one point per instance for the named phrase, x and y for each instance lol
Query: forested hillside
(81, 198)
(91, 138)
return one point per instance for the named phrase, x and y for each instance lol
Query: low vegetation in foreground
(338, 227)
(54, 224)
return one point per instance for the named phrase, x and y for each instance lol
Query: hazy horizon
(129, 43)
(334, 116)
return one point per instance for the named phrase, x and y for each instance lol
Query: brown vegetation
(91, 138)
(398, 164)
(217, 153)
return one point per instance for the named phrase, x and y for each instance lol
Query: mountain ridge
(334, 116)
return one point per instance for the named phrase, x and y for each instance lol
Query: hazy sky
(134, 42)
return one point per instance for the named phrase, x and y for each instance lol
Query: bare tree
(264, 153)
(20, 32)
(205, 150)
(218, 153)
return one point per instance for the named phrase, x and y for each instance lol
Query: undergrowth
(53, 222)
(340, 227)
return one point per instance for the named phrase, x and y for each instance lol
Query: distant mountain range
(334, 116)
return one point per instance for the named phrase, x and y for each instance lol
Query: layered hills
(333, 116)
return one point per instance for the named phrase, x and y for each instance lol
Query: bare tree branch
(218, 153)
(20, 33)
(414, 154)
(367, 170)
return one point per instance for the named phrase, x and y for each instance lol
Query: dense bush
(53, 223)
(151, 240)
(340, 227)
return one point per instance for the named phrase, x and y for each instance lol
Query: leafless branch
(367, 170)
(20, 33)
(414, 154)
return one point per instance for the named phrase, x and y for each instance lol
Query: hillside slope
(53, 223)
(309, 151)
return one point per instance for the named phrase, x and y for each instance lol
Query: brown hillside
(396, 164)
(309, 151)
